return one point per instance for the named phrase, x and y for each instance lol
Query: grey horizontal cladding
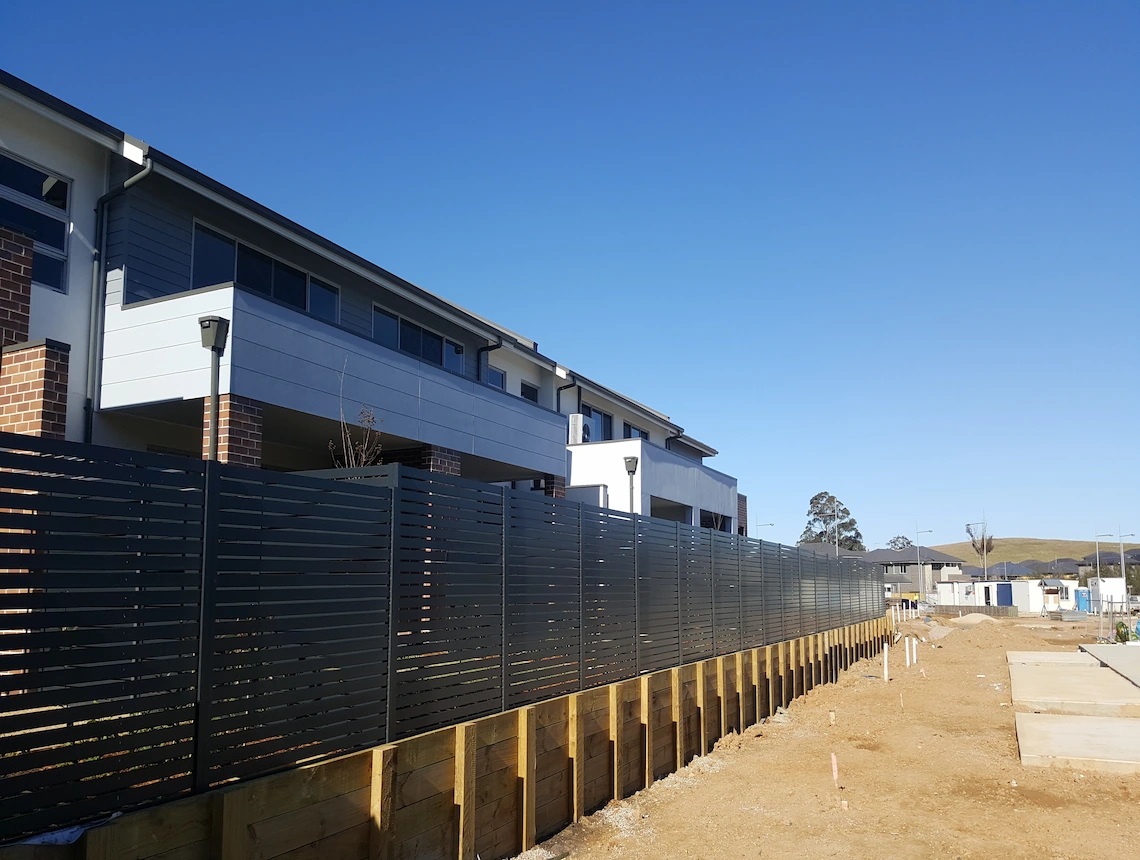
(356, 312)
(282, 357)
(156, 243)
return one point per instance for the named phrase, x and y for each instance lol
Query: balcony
(152, 355)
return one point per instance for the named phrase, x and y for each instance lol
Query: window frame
(400, 320)
(632, 431)
(594, 410)
(503, 387)
(309, 276)
(528, 384)
(42, 208)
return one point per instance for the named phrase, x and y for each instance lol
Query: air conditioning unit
(579, 429)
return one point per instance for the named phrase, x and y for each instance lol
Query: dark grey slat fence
(168, 625)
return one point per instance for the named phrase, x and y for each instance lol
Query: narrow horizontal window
(255, 270)
(496, 377)
(289, 285)
(213, 258)
(431, 347)
(528, 392)
(33, 182)
(42, 228)
(49, 271)
(385, 328)
(453, 357)
(411, 338)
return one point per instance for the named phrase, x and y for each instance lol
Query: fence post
(393, 569)
(503, 608)
(207, 603)
(712, 587)
(739, 597)
(581, 605)
(636, 600)
(680, 650)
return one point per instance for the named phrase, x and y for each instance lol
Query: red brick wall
(555, 486)
(430, 458)
(742, 514)
(15, 286)
(33, 389)
(239, 430)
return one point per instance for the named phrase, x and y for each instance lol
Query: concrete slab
(1067, 658)
(1109, 744)
(1062, 689)
(1122, 659)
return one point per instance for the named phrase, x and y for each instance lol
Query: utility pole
(918, 555)
(837, 529)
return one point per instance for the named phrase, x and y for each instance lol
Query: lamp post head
(630, 465)
(214, 332)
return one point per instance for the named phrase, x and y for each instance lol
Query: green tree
(900, 542)
(825, 514)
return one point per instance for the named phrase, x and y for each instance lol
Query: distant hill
(1020, 549)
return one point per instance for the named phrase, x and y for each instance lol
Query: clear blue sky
(890, 250)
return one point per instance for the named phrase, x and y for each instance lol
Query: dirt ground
(928, 767)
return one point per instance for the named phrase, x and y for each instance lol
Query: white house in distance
(114, 252)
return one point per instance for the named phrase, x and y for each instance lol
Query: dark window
(32, 182)
(213, 258)
(602, 424)
(385, 328)
(323, 301)
(289, 285)
(431, 347)
(48, 271)
(453, 357)
(528, 392)
(42, 228)
(496, 377)
(411, 338)
(254, 270)
(631, 432)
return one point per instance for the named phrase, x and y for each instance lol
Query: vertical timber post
(577, 738)
(647, 726)
(380, 843)
(526, 775)
(465, 789)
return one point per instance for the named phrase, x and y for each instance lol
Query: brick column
(742, 514)
(239, 430)
(430, 458)
(554, 486)
(15, 286)
(33, 389)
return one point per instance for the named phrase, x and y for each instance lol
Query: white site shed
(1107, 590)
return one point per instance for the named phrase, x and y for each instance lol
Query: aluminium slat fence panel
(774, 614)
(99, 620)
(608, 596)
(657, 594)
(543, 598)
(789, 576)
(752, 583)
(448, 591)
(726, 579)
(298, 665)
(696, 594)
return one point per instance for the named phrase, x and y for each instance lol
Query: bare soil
(928, 767)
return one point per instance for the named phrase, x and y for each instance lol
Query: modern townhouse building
(111, 251)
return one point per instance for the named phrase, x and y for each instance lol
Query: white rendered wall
(660, 473)
(54, 315)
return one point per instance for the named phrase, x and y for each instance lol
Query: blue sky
(890, 250)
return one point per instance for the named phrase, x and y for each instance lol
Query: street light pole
(837, 529)
(631, 470)
(918, 556)
(1123, 567)
(214, 331)
(1097, 542)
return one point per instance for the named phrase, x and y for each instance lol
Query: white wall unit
(660, 473)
